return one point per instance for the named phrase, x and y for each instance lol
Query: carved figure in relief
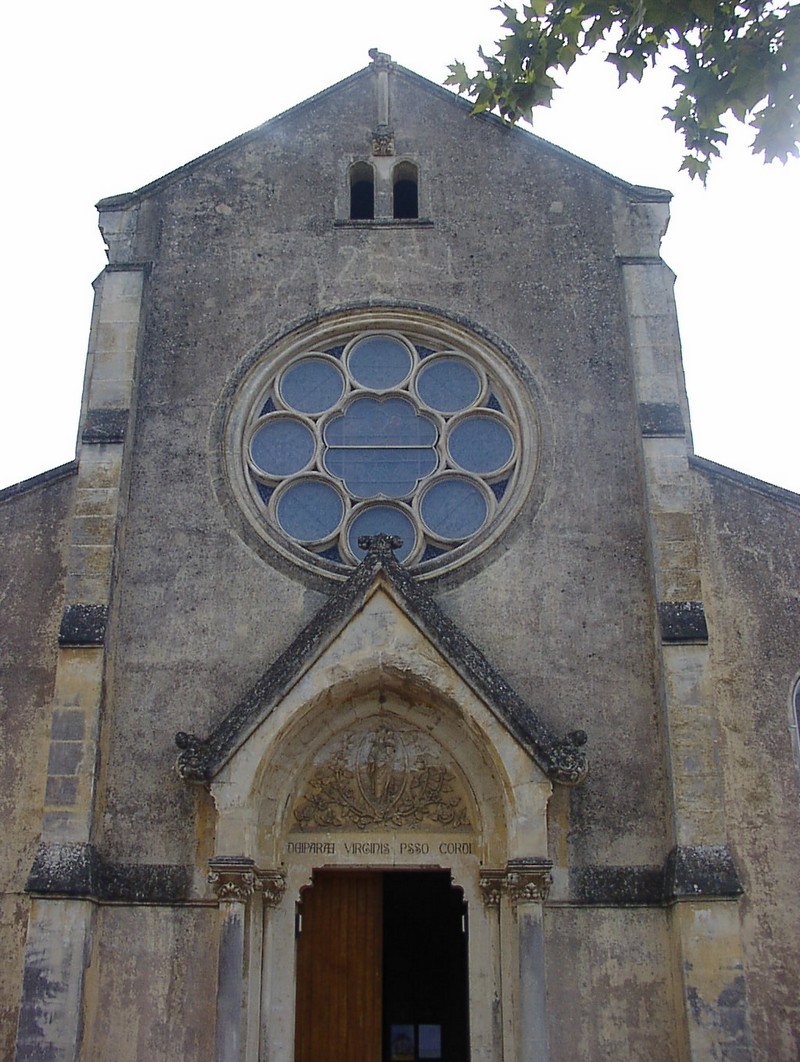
(376, 779)
(380, 784)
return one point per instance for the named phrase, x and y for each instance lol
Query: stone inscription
(392, 848)
(382, 776)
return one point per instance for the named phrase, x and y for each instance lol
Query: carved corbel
(383, 141)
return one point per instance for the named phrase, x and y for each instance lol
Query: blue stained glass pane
(332, 554)
(371, 472)
(310, 510)
(448, 385)
(372, 422)
(453, 508)
(282, 446)
(499, 489)
(312, 385)
(382, 519)
(432, 552)
(380, 362)
(480, 444)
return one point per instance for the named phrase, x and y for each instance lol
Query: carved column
(235, 881)
(271, 885)
(492, 884)
(528, 882)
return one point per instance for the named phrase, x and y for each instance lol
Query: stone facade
(582, 714)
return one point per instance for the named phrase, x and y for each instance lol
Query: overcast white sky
(101, 97)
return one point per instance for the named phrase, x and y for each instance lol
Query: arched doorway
(381, 968)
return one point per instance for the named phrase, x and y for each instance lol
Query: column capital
(236, 878)
(492, 885)
(522, 880)
(529, 880)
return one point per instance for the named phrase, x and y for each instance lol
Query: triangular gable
(562, 760)
(524, 138)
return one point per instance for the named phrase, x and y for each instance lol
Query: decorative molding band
(682, 622)
(383, 223)
(701, 870)
(127, 267)
(523, 881)
(79, 871)
(105, 426)
(642, 259)
(663, 419)
(83, 625)
(689, 872)
(606, 886)
(235, 879)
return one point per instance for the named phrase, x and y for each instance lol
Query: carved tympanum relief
(382, 774)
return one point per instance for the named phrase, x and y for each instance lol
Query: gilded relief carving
(382, 776)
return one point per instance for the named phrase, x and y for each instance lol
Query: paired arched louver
(405, 191)
(405, 194)
(362, 191)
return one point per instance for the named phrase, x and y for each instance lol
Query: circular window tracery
(382, 430)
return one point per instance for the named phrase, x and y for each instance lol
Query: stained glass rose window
(382, 429)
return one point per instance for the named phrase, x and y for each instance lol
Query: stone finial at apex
(380, 60)
(382, 544)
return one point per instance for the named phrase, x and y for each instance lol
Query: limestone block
(669, 479)
(639, 227)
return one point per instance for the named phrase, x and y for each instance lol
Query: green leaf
(737, 57)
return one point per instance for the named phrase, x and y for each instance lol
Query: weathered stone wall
(244, 247)
(150, 984)
(524, 245)
(751, 559)
(612, 997)
(32, 533)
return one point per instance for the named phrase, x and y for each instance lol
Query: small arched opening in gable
(405, 190)
(362, 191)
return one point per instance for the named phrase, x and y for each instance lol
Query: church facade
(387, 679)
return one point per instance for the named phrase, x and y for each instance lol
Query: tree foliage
(742, 58)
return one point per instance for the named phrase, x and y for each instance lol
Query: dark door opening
(425, 1014)
(382, 969)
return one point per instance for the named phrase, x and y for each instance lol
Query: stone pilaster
(243, 892)
(690, 724)
(517, 894)
(80, 669)
(492, 885)
(528, 883)
(54, 958)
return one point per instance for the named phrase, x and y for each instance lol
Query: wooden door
(339, 959)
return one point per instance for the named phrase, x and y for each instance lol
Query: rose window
(380, 431)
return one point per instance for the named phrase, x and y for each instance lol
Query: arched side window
(362, 191)
(405, 194)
